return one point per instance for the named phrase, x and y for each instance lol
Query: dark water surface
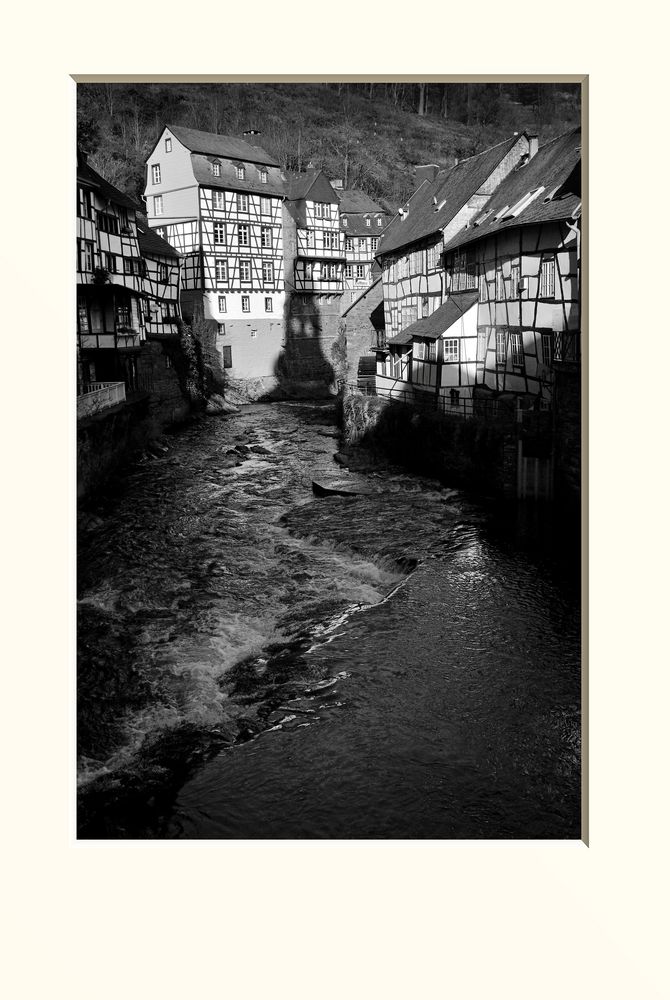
(258, 663)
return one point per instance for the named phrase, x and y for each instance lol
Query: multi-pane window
(500, 286)
(450, 349)
(156, 173)
(163, 273)
(432, 350)
(84, 203)
(132, 265)
(158, 204)
(547, 348)
(110, 262)
(434, 256)
(379, 221)
(310, 237)
(374, 243)
(419, 350)
(123, 316)
(221, 271)
(501, 347)
(360, 271)
(367, 222)
(246, 306)
(409, 314)
(218, 199)
(454, 397)
(266, 236)
(108, 223)
(547, 274)
(219, 232)
(239, 172)
(348, 271)
(245, 270)
(268, 304)
(348, 243)
(268, 272)
(329, 272)
(264, 175)
(417, 261)
(330, 240)
(82, 315)
(216, 169)
(362, 244)
(243, 235)
(243, 203)
(222, 303)
(266, 206)
(514, 280)
(516, 349)
(168, 144)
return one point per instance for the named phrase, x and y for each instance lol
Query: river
(257, 662)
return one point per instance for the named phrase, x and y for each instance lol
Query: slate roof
(228, 179)
(352, 200)
(92, 178)
(555, 165)
(227, 146)
(454, 186)
(313, 185)
(432, 327)
(151, 243)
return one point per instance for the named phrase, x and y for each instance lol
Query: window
(483, 288)
(239, 172)
(514, 281)
(245, 304)
(348, 243)
(163, 273)
(82, 315)
(379, 221)
(108, 223)
(268, 272)
(482, 343)
(309, 271)
(450, 349)
(367, 221)
(222, 304)
(416, 261)
(432, 350)
(222, 329)
(219, 232)
(216, 169)
(131, 265)
(374, 243)
(156, 173)
(501, 347)
(168, 145)
(419, 350)
(243, 236)
(84, 203)
(158, 204)
(345, 222)
(245, 270)
(254, 334)
(218, 199)
(221, 267)
(227, 356)
(360, 271)
(424, 306)
(547, 348)
(434, 256)
(454, 397)
(362, 244)
(348, 271)
(123, 316)
(110, 262)
(547, 273)
(266, 206)
(329, 272)
(500, 286)
(310, 237)
(329, 240)
(268, 304)
(266, 236)
(516, 348)
(264, 175)
(243, 203)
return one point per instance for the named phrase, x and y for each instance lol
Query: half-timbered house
(313, 207)
(522, 255)
(162, 273)
(362, 221)
(218, 200)
(411, 246)
(110, 286)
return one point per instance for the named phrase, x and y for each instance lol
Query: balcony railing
(567, 347)
(97, 396)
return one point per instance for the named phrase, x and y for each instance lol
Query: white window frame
(266, 237)
(263, 175)
(242, 202)
(168, 144)
(268, 304)
(450, 350)
(218, 199)
(516, 349)
(158, 204)
(163, 273)
(348, 271)
(245, 269)
(501, 346)
(243, 234)
(219, 233)
(216, 169)
(348, 243)
(368, 222)
(548, 278)
(266, 206)
(221, 271)
(268, 266)
(379, 221)
(222, 303)
(240, 172)
(374, 243)
(155, 173)
(360, 272)
(246, 304)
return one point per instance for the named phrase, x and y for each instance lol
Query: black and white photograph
(329, 461)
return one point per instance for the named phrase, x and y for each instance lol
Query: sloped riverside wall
(458, 452)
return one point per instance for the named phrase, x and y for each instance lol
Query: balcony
(97, 396)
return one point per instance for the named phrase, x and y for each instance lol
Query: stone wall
(360, 328)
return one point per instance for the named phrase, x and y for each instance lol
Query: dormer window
(168, 145)
(367, 220)
(345, 221)
(239, 172)
(156, 173)
(379, 221)
(523, 203)
(216, 168)
(264, 175)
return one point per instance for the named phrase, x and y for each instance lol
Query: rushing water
(255, 662)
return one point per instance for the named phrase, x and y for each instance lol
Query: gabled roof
(432, 327)
(353, 201)
(150, 243)
(451, 190)
(227, 146)
(555, 167)
(92, 178)
(313, 185)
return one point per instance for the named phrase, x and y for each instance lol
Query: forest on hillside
(370, 135)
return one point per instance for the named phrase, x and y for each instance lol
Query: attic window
(239, 172)
(367, 220)
(345, 221)
(482, 218)
(263, 175)
(523, 203)
(216, 168)
(501, 213)
(441, 205)
(379, 221)
(168, 145)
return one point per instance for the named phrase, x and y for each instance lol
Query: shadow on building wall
(305, 366)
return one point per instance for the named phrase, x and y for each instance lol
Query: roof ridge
(488, 149)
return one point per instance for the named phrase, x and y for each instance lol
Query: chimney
(426, 172)
(336, 183)
(534, 144)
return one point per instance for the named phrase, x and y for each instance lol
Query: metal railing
(97, 396)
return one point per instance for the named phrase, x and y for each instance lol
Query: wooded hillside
(368, 134)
